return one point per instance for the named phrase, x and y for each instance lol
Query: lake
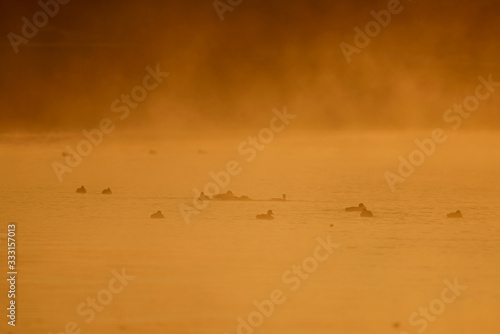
(99, 263)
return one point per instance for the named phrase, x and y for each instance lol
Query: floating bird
(282, 199)
(358, 208)
(157, 214)
(107, 191)
(81, 190)
(366, 213)
(268, 215)
(456, 214)
(228, 196)
(203, 197)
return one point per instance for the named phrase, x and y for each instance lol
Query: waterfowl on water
(228, 196)
(81, 190)
(366, 213)
(203, 197)
(456, 214)
(282, 199)
(157, 214)
(107, 191)
(358, 208)
(268, 215)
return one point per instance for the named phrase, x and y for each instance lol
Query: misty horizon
(256, 167)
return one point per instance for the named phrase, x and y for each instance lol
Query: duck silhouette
(107, 191)
(81, 190)
(358, 208)
(268, 215)
(203, 197)
(228, 196)
(456, 214)
(157, 214)
(366, 213)
(282, 199)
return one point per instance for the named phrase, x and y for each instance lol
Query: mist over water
(262, 56)
(162, 100)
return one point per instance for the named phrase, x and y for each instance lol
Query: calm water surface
(200, 277)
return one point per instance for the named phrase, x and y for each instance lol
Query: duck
(228, 196)
(107, 191)
(282, 199)
(358, 208)
(81, 190)
(157, 214)
(366, 213)
(203, 197)
(268, 215)
(456, 214)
